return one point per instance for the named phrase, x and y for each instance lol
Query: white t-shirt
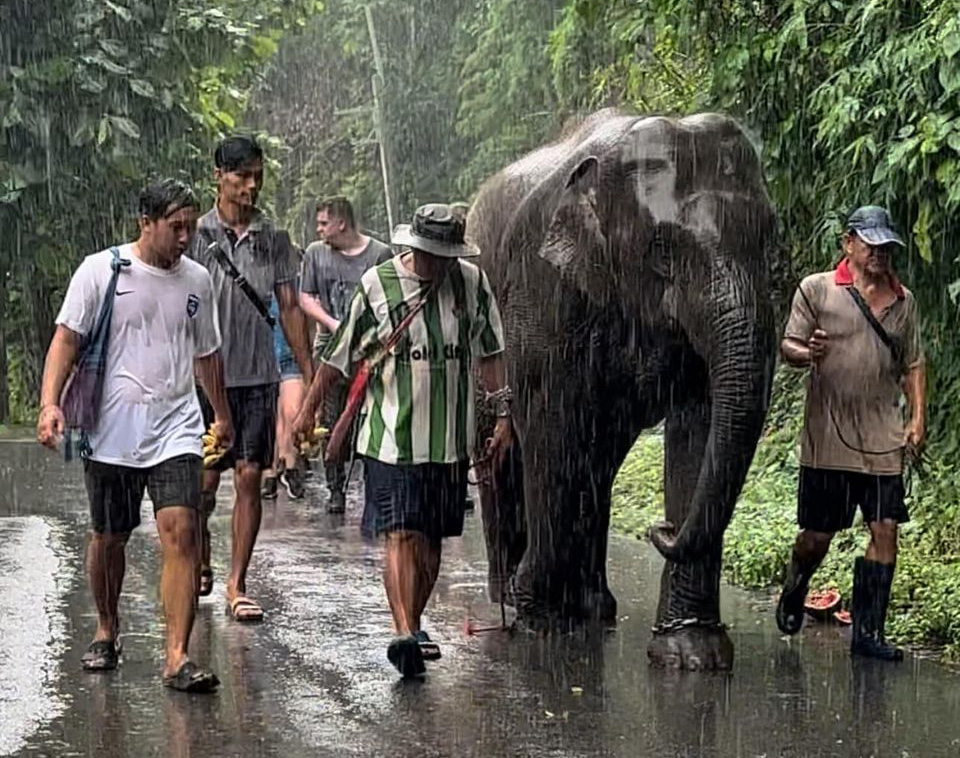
(162, 320)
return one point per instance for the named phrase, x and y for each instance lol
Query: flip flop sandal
(405, 654)
(206, 582)
(429, 648)
(244, 609)
(102, 655)
(192, 678)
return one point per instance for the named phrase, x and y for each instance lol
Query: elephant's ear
(574, 225)
(585, 176)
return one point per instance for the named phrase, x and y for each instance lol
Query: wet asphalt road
(313, 679)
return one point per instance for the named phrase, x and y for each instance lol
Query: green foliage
(95, 97)
(454, 113)
(637, 498)
(507, 104)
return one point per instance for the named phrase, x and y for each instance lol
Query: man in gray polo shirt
(856, 329)
(332, 268)
(236, 235)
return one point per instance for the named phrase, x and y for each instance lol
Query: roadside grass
(925, 607)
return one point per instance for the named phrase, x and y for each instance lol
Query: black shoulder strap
(882, 333)
(238, 279)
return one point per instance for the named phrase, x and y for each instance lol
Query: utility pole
(379, 123)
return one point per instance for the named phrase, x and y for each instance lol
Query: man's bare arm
(61, 356)
(209, 371)
(795, 352)
(493, 376)
(325, 377)
(294, 324)
(312, 307)
(800, 354)
(493, 373)
(915, 388)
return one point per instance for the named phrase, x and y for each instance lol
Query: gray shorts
(115, 492)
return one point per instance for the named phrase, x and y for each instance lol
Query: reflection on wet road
(313, 679)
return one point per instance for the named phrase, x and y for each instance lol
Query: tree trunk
(4, 365)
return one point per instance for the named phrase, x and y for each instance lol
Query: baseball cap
(872, 224)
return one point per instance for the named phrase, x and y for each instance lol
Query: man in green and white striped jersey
(417, 420)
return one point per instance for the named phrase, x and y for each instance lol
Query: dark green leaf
(142, 87)
(126, 126)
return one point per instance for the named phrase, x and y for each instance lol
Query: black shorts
(115, 492)
(427, 498)
(827, 500)
(254, 412)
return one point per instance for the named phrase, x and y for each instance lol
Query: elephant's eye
(647, 166)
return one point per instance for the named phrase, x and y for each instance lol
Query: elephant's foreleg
(502, 509)
(569, 467)
(688, 633)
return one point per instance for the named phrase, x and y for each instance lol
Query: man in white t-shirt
(163, 327)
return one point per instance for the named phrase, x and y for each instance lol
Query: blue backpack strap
(77, 441)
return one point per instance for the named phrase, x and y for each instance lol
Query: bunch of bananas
(213, 449)
(311, 442)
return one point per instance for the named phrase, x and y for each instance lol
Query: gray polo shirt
(853, 419)
(265, 258)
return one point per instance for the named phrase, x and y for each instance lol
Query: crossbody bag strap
(341, 432)
(239, 280)
(106, 305)
(405, 322)
(882, 333)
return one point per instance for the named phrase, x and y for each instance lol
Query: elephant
(631, 260)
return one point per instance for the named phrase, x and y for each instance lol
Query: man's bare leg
(179, 540)
(883, 542)
(208, 501)
(430, 570)
(106, 565)
(411, 565)
(292, 393)
(247, 513)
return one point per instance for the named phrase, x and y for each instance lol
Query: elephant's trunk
(739, 349)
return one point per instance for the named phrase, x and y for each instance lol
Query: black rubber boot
(790, 606)
(871, 596)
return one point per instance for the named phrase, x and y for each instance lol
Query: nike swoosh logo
(128, 292)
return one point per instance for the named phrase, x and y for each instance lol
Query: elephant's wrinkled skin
(631, 263)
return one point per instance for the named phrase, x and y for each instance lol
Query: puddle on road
(34, 580)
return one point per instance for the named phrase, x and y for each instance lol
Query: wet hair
(340, 207)
(233, 152)
(165, 197)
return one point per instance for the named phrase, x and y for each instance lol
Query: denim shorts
(115, 492)
(427, 498)
(289, 368)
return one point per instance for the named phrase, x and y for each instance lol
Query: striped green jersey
(419, 406)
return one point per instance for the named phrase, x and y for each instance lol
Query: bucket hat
(437, 229)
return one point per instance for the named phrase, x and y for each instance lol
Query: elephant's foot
(692, 648)
(540, 611)
(500, 590)
(599, 605)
